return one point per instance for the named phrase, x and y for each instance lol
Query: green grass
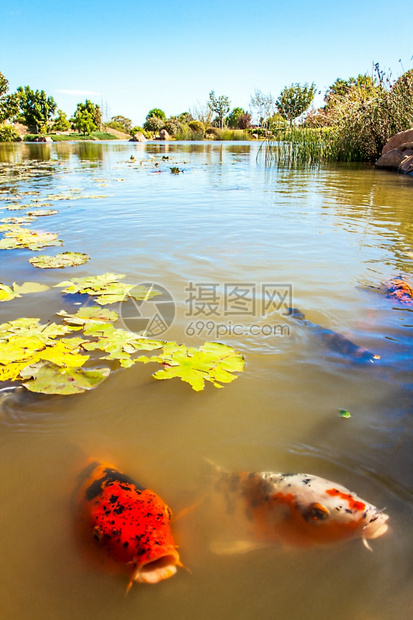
(97, 135)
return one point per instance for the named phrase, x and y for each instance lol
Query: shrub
(153, 124)
(197, 126)
(157, 113)
(8, 134)
(173, 127)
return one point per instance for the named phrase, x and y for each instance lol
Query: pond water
(234, 243)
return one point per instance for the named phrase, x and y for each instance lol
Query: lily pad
(344, 414)
(213, 362)
(64, 259)
(48, 378)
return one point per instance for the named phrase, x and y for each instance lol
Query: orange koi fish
(301, 510)
(124, 526)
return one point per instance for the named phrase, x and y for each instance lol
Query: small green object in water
(344, 413)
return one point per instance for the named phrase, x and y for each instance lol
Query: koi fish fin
(128, 587)
(187, 510)
(235, 547)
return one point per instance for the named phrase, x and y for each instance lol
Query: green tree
(341, 88)
(87, 117)
(8, 103)
(234, 116)
(61, 122)
(294, 100)
(156, 112)
(264, 106)
(121, 123)
(36, 108)
(220, 105)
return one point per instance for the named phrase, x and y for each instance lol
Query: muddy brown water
(234, 243)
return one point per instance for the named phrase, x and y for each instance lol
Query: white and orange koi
(300, 510)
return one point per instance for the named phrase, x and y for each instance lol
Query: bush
(153, 124)
(197, 126)
(173, 127)
(8, 134)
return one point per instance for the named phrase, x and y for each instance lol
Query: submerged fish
(398, 288)
(124, 525)
(294, 509)
(336, 341)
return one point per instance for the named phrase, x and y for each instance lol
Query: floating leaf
(48, 378)
(86, 315)
(30, 287)
(344, 413)
(106, 288)
(18, 220)
(22, 238)
(7, 293)
(31, 328)
(64, 259)
(119, 343)
(41, 212)
(213, 362)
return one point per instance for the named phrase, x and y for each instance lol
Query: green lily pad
(213, 362)
(48, 378)
(64, 259)
(344, 414)
(119, 343)
(30, 328)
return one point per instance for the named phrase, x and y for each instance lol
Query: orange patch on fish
(124, 526)
(353, 504)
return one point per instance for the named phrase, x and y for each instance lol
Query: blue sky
(132, 55)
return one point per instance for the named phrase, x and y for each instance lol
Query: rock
(164, 135)
(398, 140)
(138, 137)
(42, 139)
(397, 154)
(390, 160)
(406, 167)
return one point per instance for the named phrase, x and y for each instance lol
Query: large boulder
(398, 140)
(138, 137)
(164, 135)
(397, 154)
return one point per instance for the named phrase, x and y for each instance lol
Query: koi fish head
(125, 526)
(304, 510)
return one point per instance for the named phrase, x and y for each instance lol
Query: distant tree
(341, 88)
(36, 108)
(153, 124)
(185, 117)
(61, 122)
(234, 116)
(8, 103)
(294, 100)
(121, 122)
(263, 104)
(156, 112)
(87, 118)
(220, 106)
